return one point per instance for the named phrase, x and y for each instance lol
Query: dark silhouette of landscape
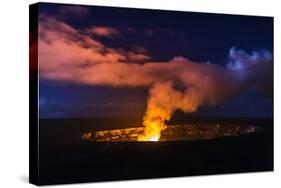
(65, 158)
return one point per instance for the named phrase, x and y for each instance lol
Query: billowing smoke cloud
(204, 84)
(70, 55)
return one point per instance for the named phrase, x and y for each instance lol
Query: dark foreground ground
(66, 158)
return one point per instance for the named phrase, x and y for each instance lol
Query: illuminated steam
(70, 55)
(203, 84)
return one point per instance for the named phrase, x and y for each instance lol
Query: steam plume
(205, 85)
(70, 55)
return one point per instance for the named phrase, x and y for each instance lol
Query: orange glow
(154, 138)
(152, 129)
(172, 133)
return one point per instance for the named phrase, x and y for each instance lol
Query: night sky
(161, 35)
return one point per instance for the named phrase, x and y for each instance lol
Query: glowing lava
(171, 133)
(153, 138)
(152, 129)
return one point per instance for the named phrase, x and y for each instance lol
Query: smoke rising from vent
(70, 55)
